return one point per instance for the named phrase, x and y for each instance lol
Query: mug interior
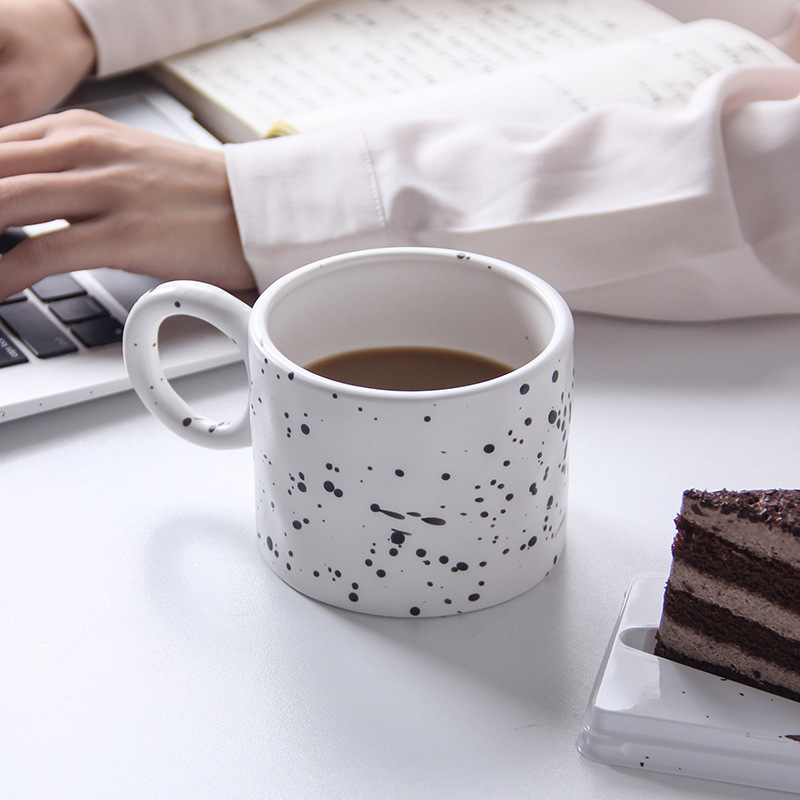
(408, 297)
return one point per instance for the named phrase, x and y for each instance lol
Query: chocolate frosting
(779, 508)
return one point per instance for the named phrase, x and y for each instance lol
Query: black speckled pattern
(424, 507)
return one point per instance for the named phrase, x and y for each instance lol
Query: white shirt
(688, 214)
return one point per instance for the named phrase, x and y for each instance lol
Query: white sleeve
(132, 33)
(688, 214)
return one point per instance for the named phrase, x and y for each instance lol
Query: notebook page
(351, 50)
(659, 70)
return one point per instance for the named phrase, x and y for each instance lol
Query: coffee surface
(408, 368)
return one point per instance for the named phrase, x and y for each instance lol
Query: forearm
(132, 33)
(686, 214)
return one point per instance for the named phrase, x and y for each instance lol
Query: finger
(21, 158)
(32, 199)
(78, 141)
(23, 131)
(76, 133)
(22, 267)
(26, 147)
(49, 254)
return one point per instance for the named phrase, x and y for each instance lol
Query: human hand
(134, 200)
(45, 51)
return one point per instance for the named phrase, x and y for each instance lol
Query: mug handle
(140, 350)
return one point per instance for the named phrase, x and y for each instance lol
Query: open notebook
(60, 341)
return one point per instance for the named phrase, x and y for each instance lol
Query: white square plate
(649, 713)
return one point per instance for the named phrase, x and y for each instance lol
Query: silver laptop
(60, 340)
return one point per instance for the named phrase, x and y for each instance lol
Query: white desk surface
(147, 652)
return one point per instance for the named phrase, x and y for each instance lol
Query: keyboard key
(15, 298)
(11, 237)
(98, 332)
(9, 354)
(41, 335)
(77, 309)
(125, 287)
(56, 287)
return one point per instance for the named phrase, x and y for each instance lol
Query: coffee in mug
(411, 369)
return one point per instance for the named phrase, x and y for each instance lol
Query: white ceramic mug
(398, 503)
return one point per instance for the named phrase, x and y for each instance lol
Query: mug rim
(556, 306)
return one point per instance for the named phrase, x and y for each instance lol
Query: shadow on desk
(213, 591)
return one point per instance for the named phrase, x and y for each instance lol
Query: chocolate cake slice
(732, 601)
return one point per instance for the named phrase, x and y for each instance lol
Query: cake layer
(716, 555)
(766, 523)
(726, 660)
(739, 601)
(721, 625)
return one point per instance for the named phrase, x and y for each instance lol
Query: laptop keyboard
(59, 314)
